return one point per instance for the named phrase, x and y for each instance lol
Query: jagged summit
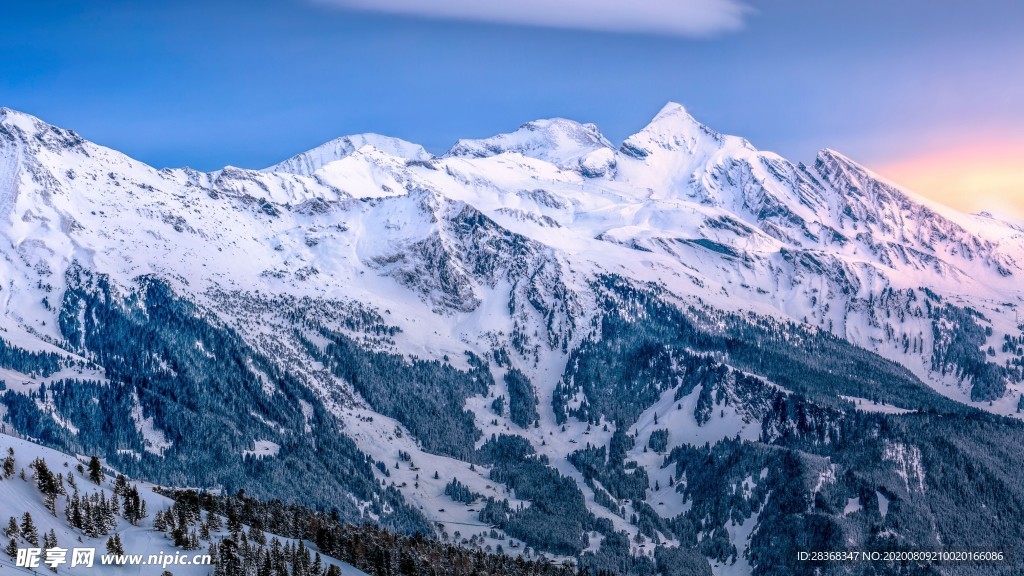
(6, 114)
(673, 130)
(312, 160)
(849, 176)
(559, 139)
(565, 143)
(14, 122)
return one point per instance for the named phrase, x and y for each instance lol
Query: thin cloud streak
(688, 18)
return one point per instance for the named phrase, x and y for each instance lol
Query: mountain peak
(312, 160)
(14, 118)
(5, 112)
(672, 109)
(831, 154)
(560, 141)
(832, 164)
(675, 116)
(673, 128)
(20, 126)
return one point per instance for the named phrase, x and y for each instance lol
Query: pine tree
(9, 464)
(114, 546)
(159, 524)
(50, 541)
(95, 470)
(121, 485)
(267, 568)
(99, 514)
(50, 501)
(214, 521)
(257, 536)
(69, 512)
(76, 511)
(107, 518)
(41, 474)
(301, 554)
(28, 530)
(234, 522)
(89, 518)
(180, 536)
(12, 531)
(134, 505)
(12, 548)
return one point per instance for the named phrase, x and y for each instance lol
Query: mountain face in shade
(604, 352)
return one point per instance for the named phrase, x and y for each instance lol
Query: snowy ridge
(310, 161)
(499, 248)
(564, 143)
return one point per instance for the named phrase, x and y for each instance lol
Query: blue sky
(211, 83)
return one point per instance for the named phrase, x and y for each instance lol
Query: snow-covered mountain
(369, 301)
(310, 161)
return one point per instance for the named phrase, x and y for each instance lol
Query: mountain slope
(138, 536)
(444, 339)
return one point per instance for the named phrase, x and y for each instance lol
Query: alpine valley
(679, 355)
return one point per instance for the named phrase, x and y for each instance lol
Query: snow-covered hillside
(520, 250)
(139, 539)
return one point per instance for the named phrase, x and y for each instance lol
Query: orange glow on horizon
(969, 178)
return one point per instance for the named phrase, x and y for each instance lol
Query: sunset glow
(970, 178)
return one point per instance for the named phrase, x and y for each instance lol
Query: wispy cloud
(692, 18)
